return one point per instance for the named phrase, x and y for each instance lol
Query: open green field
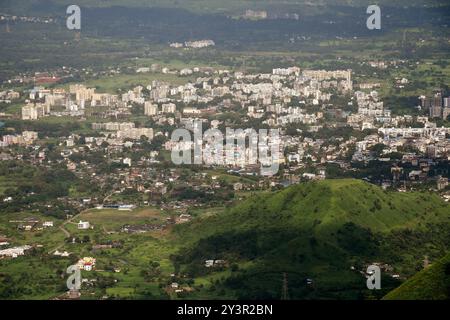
(115, 83)
(110, 218)
(132, 257)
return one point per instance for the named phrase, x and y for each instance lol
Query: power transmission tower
(285, 295)
(404, 38)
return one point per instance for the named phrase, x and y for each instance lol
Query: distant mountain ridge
(210, 6)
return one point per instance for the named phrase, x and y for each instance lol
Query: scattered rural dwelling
(61, 254)
(26, 227)
(209, 263)
(14, 252)
(127, 207)
(183, 218)
(442, 183)
(215, 263)
(86, 263)
(219, 263)
(238, 186)
(83, 225)
(47, 224)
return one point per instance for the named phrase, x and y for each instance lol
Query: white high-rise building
(150, 109)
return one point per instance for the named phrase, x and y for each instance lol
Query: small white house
(87, 263)
(47, 224)
(209, 263)
(127, 161)
(83, 225)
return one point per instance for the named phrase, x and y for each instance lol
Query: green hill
(433, 283)
(318, 231)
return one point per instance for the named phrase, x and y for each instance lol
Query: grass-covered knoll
(432, 283)
(326, 204)
(316, 230)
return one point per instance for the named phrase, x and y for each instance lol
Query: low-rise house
(183, 218)
(238, 186)
(61, 254)
(83, 225)
(442, 183)
(87, 263)
(47, 224)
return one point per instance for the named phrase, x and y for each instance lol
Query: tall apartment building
(135, 133)
(29, 112)
(150, 109)
(33, 112)
(113, 126)
(435, 106)
(446, 102)
(81, 92)
(169, 108)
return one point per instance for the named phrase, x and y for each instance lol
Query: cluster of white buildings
(35, 111)
(26, 138)
(279, 99)
(255, 14)
(193, 44)
(124, 130)
(369, 104)
(8, 96)
(135, 134)
(113, 126)
(14, 252)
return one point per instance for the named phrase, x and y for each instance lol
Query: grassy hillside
(432, 283)
(319, 231)
(326, 231)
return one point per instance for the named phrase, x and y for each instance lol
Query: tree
(377, 149)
